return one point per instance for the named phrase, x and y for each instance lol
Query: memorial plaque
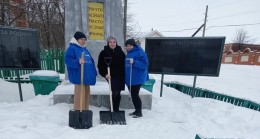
(185, 55)
(19, 48)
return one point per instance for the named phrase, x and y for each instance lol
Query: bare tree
(3, 12)
(12, 13)
(241, 38)
(48, 17)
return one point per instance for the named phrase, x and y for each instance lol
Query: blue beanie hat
(79, 35)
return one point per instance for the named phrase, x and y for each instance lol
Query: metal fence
(199, 92)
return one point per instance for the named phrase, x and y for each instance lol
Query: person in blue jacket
(136, 73)
(73, 61)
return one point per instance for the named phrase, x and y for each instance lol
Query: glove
(131, 60)
(81, 61)
(107, 76)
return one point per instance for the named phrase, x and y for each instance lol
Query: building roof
(154, 33)
(140, 38)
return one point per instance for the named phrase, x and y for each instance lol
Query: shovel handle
(81, 83)
(130, 87)
(110, 91)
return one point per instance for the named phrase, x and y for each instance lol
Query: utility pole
(203, 35)
(205, 21)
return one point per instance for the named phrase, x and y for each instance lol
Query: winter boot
(138, 114)
(132, 113)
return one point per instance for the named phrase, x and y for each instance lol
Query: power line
(238, 14)
(232, 15)
(235, 25)
(221, 17)
(225, 4)
(249, 24)
(198, 10)
(188, 22)
(194, 11)
(181, 30)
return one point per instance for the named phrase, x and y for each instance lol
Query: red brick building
(245, 54)
(235, 47)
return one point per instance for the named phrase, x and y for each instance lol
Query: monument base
(99, 96)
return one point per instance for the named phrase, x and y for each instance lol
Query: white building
(141, 37)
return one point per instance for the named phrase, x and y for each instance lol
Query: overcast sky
(176, 18)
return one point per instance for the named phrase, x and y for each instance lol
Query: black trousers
(135, 89)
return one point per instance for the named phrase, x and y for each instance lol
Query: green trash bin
(149, 85)
(44, 82)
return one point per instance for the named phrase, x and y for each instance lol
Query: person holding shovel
(136, 73)
(75, 55)
(113, 54)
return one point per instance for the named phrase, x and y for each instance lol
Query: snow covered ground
(175, 115)
(234, 80)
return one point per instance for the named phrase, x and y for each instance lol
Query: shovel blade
(108, 117)
(80, 120)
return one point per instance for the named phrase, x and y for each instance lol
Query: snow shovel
(130, 86)
(130, 79)
(81, 119)
(111, 117)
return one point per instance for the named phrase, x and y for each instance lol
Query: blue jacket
(139, 67)
(72, 57)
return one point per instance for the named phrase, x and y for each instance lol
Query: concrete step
(99, 96)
